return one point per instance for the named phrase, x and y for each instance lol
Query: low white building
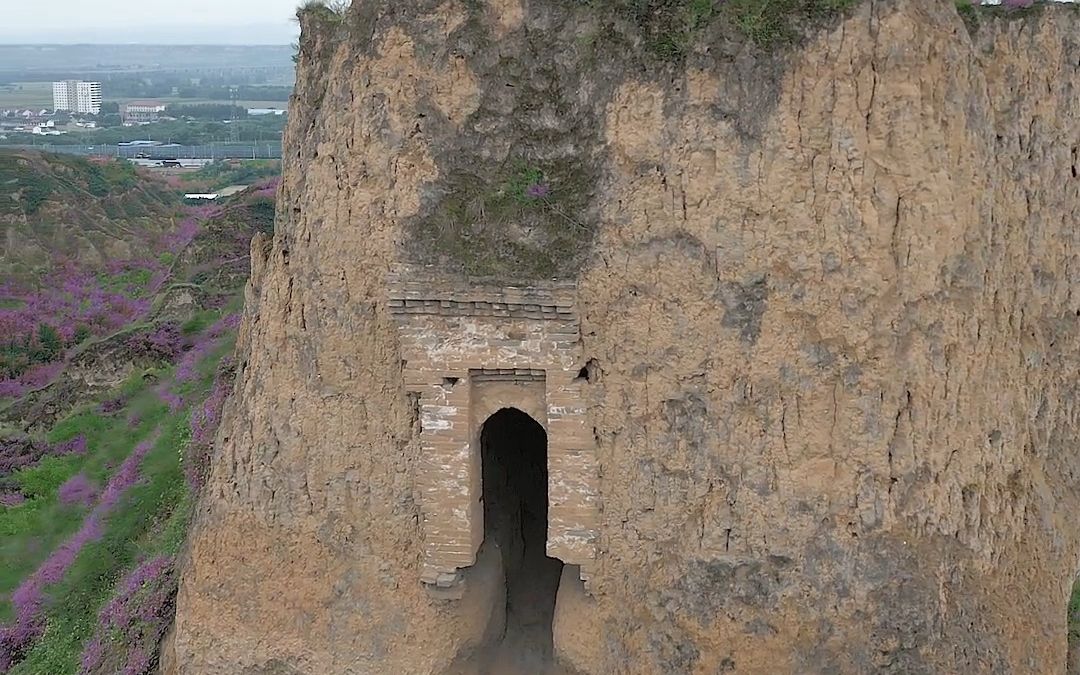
(141, 112)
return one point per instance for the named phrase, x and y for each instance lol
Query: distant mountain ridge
(258, 33)
(18, 61)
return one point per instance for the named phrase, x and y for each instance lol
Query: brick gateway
(469, 352)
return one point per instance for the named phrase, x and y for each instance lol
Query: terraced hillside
(115, 375)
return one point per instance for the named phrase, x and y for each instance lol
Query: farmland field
(26, 95)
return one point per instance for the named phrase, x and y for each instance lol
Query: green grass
(473, 226)
(202, 320)
(224, 173)
(150, 520)
(132, 283)
(770, 22)
(30, 532)
(145, 524)
(671, 27)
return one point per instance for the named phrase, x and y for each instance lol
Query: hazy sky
(125, 21)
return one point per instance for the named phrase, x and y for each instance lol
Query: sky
(149, 21)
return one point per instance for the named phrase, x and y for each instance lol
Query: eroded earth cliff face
(829, 298)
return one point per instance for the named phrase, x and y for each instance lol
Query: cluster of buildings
(80, 99)
(37, 122)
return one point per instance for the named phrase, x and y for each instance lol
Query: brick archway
(468, 352)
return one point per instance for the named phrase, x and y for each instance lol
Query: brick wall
(471, 350)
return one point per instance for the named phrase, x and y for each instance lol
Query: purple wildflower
(132, 622)
(92, 654)
(538, 191)
(267, 188)
(163, 342)
(125, 476)
(12, 499)
(77, 490)
(205, 418)
(112, 405)
(171, 399)
(205, 421)
(138, 662)
(74, 446)
(185, 370)
(29, 598)
(19, 452)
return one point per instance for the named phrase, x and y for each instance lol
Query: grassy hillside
(101, 456)
(84, 210)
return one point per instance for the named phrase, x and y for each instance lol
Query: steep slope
(99, 466)
(87, 210)
(828, 298)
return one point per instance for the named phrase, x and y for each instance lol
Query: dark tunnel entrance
(515, 479)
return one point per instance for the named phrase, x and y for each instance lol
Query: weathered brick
(526, 336)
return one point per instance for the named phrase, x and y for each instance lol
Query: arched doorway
(515, 495)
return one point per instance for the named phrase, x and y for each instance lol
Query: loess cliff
(828, 327)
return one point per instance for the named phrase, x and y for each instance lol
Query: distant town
(77, 104)
(146, 103)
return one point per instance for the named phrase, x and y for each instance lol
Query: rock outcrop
(828, 304)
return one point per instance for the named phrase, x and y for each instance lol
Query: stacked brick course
(470, 351)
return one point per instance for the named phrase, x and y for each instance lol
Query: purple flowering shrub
(113, 405)
(161, 342)
(77, 490)
(132, 624)
(204, 343)
(39, 322)
(268, 187)
(528, 184)
(19, 452)
(134, 278)
(537, 190)
(28, 600)
(188, 228)
(64, 308)
(33, 378)
(68, 298)
(11, 498)
(174, 401)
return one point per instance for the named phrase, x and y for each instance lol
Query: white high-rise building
(77, 96)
